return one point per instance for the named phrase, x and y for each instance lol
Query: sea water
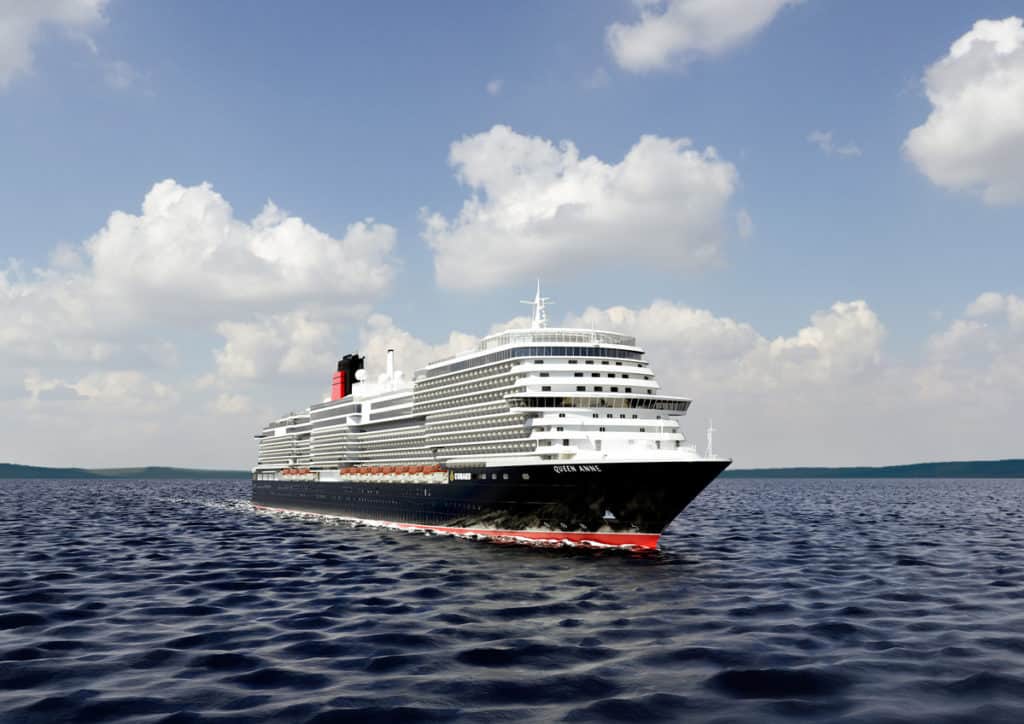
(769, 601)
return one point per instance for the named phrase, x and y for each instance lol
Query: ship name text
(577, 469)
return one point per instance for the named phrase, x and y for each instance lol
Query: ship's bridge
(555, 335)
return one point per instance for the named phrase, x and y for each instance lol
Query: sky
(809, 212)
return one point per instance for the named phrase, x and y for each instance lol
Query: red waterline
(633, 540)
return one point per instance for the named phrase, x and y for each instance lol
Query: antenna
(540, 316)
(711, 432)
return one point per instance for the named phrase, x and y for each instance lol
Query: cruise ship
(556, 435)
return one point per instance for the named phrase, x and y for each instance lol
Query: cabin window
(526, 476)
(574, 361)
(565, 442)
(614, 389)
(545, 374)
(598, 388)
(600, 429)
(546, 388)
(581, 388)
(595, 374)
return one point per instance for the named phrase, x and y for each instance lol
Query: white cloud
(494, 86)
(228, 403)
(992, 304)
(118, 390)
(127, 323)
(187, 245)
(823, 140)
(540, 206)
(974, 137)
(840, 344)
(977, 362)
(825, 394)
(185, 257)
(381, 334)
(673, 32)
(293, 343)
(22, 22)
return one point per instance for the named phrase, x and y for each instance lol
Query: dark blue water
(863, 601)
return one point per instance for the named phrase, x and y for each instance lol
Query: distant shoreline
(10, 471)
(967, 469)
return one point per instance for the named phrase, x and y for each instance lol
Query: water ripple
(848, 601)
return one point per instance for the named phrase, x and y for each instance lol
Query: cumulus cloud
(839, 344)
(122, 390)
(673, 32)
(21, 24)
(977, 362)
(293, 343)
(973, 140)
(187, 244)
(537, 205)
(826, 393)
(823, 140)
(107, 326)
(380, 334)
(228, 403)
(184, 257)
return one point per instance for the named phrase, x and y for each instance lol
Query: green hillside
(966, 469)
(9, 470)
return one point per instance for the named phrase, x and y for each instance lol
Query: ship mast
(711, 431)
(540, 315)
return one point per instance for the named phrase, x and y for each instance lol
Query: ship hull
(620, 504)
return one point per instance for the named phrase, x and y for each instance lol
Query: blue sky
(347, 111)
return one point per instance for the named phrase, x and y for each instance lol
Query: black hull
(614, 503)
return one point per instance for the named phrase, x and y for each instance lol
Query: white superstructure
(523, 396)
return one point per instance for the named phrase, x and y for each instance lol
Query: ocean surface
(769, 601)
